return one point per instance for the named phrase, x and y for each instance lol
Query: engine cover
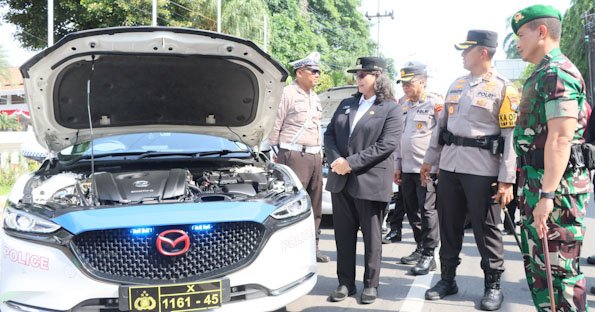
(138, 186)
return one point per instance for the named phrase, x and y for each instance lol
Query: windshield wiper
(155, 154)
(192, 154)
(75, 158)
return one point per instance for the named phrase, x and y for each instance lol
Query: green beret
(528, 14)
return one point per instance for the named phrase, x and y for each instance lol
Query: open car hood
(140, 79)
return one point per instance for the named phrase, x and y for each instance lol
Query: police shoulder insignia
(508, 110)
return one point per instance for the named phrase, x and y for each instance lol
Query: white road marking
(414, 302)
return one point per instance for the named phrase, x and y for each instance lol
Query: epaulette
(503, 78)
(435, 97)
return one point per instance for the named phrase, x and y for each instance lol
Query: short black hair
(491, 51)
(553, 25)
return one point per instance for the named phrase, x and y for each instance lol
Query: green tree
(296, 27)
(9, 123)
(510, 42)
(573, 36)
(245, 18)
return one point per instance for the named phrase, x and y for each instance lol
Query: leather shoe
(369, 295)
(591, 259)
(322, 258)
(442, 289)
(392, 237)
(413, 258)
(424, 265)
(342, 292)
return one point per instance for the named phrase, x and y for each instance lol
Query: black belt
(484, 142)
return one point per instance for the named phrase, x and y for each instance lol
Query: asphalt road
(400, 291)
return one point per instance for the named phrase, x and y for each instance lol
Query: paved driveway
(402, 292)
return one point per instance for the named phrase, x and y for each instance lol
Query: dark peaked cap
(485, 38)
(368, 63)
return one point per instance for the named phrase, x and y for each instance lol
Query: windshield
(154, 142)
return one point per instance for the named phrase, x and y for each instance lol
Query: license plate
(176, 297)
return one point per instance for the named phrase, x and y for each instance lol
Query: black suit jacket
(369, 149)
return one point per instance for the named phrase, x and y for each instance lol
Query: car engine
(154, 186)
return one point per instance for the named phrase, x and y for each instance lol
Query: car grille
(116, 254)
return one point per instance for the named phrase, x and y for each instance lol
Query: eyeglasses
(362, 74)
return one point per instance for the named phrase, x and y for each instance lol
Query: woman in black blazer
(359, 144)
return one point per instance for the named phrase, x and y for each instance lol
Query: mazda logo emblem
(173, 243)
(141, 183)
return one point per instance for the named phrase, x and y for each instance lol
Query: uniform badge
(489, 88)
(419, 125)
(347, 111)
(517, 17)
(451, 110)
(481, 102)
(438, 107)
(453, 98)
(459, 86)
(405, 108)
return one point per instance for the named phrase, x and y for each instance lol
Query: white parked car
(329, 100)
(155, 200)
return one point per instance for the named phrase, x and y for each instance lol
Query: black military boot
(392, 236)
(492, 295)
(413, 258)
(425, 264)
(445, 286)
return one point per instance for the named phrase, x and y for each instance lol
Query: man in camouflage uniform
(555, 187)
(475, 152)
(420, 116)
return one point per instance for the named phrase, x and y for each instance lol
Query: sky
(422, 30)
(426, 30)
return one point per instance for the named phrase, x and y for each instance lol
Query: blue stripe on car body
(163, 214)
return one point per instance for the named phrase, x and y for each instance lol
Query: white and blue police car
(152, 197)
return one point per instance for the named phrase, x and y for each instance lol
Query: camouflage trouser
(566, 230)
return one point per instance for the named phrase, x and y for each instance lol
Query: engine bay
(123, 187)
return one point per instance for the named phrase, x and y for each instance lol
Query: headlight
(293, 208)
(21, 221)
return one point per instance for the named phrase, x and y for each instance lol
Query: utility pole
(50, 23)
(154, 13)
(590, 43)
(218, 16)
(379, 16)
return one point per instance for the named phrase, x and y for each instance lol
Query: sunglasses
(408, 83)
(362, 74)
(313, 71)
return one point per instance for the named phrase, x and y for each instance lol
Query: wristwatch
(548, 195)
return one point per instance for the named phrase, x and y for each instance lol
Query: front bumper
(43, 277)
